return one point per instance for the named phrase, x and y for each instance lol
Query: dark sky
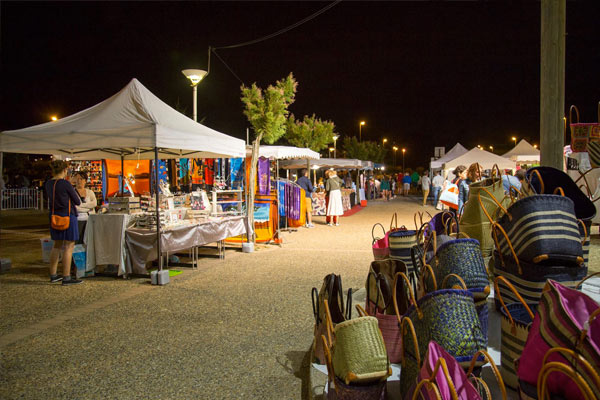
(421, 74)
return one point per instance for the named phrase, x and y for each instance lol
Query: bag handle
(421, 214)
(497, 374)
(327, 351)
(425, 382)
(394, 222)
(373, 232)
(539, 176)
(361, 311)
(402, 275)
(554, 366)
(586, 278)
(480, 386)
(512, 289)
(348, 313)
(497, 168)
(560, 191)
(574, 107)
(328, 323)
(571, 355)
(378, 278)
(314, 294)
(452, 217)
(495, 201)
(459, 234)
(440, 363)
(496, 226)
(407, 322)
(587, 185)
(462, 282)
(585, 232)
(586, 327)
(427, 268)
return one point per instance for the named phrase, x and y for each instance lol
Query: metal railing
(21, 199)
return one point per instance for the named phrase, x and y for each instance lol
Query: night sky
(421, 74)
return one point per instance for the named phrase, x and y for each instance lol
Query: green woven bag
(359, 353)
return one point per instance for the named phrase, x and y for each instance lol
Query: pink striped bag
(566, 318)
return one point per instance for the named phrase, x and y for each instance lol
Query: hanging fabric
(264, 176)
(209, 173)
(236, 172)
(281, 197)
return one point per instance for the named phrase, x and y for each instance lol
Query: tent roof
(523, 152)
(132, 119)
(284, 152)
(457, 151)
(367, 165)
(341, 163)
(485, 158)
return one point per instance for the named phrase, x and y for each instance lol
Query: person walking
(385, 187)
(460, 180)
(304, 183)
(425, 184)
(88, 202)
(436, 187)
(62, 199)
(335, 208)
(406, 183)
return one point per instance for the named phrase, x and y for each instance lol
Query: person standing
(460, 180)
(406, 183)
(385, 187)
(436, 187)
(304, 183)
(88, 202)
(335, 208)
(425, 184)
(62, 199)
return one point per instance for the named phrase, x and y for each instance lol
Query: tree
(311, 132)
(365, 150)
(267, 112)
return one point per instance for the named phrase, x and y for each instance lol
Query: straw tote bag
(401, 242)
(565, 318)
(331, 290)
(380, 245)
(58, 222)
(484, 197)
(450, 379)
(514, 327)
(585, 136)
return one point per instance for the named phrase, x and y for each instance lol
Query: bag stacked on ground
(479, 212)
(357, 362)
(332, 292)
(447, 317)
(441, 377)
(380, 285)
(566, 318)
(539, 237)
(380, 245)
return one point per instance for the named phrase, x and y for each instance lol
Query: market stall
(523, 153)
(133, 124)
(486, 159)
(456, 151)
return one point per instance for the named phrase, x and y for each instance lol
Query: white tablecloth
(105, 240)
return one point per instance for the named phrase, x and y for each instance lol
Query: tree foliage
(267, 110)
(365, 150)
(311, 132)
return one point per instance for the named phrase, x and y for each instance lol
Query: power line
(227, 66)
(281, 31)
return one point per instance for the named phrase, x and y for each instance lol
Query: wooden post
(552, 82)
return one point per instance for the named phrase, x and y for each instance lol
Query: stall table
(105, 241)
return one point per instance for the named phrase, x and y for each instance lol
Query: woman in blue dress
(62, 200)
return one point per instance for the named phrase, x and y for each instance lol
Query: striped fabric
(542, 225)
(400, 244)
(513, 341)
(562, 313)
(586, 243)
(531, 283)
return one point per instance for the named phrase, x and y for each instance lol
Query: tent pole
(122, 175)
(157, 196)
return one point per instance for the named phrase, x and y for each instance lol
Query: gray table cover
(105, 240)
(141, 243)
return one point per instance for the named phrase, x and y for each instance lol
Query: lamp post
(492, 149)
(195, 76)
(403, 151)
(335, 138)
(395, 148)
(330, 150)
(383, 142)
(360, 130)
(514, 138)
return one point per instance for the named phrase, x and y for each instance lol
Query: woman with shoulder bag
(62, 200)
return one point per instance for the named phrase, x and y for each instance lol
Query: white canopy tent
(523, 153)
(340, 163)
(133, 123)
(133, 120)
(284, 153)
(485, 158)
(457, 151)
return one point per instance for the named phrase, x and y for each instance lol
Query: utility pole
(552, 82)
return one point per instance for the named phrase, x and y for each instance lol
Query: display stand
(216, 200)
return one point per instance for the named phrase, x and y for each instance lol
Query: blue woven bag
(463, 257)
(400, 243)
(541, 228)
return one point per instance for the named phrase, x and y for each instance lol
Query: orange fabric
(141, 175)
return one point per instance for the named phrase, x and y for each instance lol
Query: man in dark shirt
(304, 183)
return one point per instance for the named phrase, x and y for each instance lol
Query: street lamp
(335, 138)
(395, 150)
(195, 76)
(383, 142)
(535, 146)
(403, 151)
(330, 150)
(360, 130)
(492, 149)
(514, 140)
(54, 118)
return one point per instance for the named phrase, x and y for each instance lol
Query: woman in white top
(88, 202)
